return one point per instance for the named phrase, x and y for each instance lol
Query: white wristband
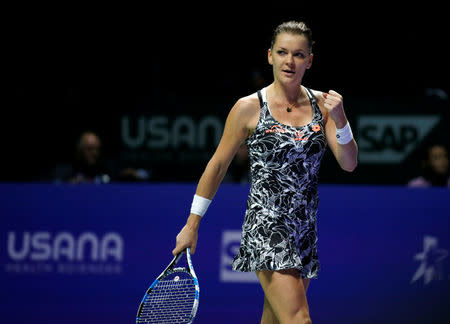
(344, 135)
(199, 205)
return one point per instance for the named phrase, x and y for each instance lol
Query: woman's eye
(299, 54)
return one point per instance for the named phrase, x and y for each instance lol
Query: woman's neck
(290, 94)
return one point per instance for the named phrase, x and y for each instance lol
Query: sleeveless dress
(279, 229)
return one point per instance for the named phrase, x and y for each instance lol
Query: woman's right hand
(188, 235)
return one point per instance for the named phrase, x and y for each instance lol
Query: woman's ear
(311, 56)
(269, 56)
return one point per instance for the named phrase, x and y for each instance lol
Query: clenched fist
(334, 104)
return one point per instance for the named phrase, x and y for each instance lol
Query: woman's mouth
(289, 71)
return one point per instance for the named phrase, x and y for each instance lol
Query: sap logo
(231, 240)
(157, 133)
(390, 139)
(39, 246)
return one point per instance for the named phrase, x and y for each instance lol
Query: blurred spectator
(434, 168)
(90, 167)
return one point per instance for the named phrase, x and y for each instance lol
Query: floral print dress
(279, 229)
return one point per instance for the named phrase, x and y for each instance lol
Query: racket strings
(171, 301)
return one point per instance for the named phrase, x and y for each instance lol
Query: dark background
(76, 68)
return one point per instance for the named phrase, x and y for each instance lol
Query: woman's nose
(290, 59)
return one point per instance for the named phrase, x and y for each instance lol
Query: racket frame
(169, 270)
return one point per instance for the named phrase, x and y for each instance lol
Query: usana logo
(64, 253)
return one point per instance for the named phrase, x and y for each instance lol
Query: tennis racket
(173, 297)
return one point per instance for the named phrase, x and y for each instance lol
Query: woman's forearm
(211, 178)
(348, 156)
(207, 187)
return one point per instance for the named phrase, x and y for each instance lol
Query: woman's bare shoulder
(247, 106)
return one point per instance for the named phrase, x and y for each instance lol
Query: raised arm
(236, 130)
(345, 154)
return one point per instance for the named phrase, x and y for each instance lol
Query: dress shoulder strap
(311, 96)
(261, 102)
(314, 103)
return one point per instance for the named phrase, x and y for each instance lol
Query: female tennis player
(287, 128)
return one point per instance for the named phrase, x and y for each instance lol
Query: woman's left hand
(335, 106)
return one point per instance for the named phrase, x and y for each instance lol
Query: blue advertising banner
(87, 254)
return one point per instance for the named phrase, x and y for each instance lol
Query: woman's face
(290, 58)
